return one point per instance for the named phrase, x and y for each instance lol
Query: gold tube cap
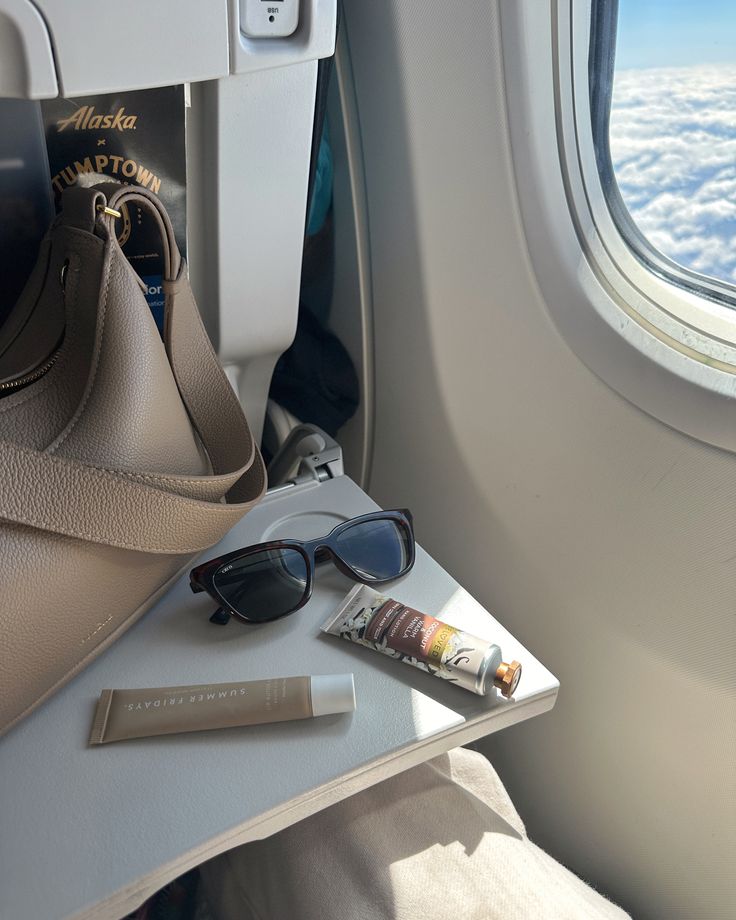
(507, 678)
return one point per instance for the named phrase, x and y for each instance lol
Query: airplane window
(632, 226)
(664, 118)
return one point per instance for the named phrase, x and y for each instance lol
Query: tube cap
(332, 693)
(507, 678)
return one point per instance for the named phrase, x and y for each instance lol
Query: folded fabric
(441, 840)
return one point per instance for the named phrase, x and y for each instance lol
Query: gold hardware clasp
(103, 209)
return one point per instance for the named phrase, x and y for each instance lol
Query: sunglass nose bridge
(322, 554)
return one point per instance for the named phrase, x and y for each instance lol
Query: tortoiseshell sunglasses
(267, 581)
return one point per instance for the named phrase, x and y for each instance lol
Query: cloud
(673, 145)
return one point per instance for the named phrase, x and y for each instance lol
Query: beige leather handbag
(122, 455)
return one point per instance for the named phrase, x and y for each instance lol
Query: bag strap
(63, 496)
(213, 407)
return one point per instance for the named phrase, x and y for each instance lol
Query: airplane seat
(250, 116)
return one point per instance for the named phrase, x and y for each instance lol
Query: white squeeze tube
(124, 714)
(423, 641)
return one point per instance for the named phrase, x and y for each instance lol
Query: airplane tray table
(91, 832)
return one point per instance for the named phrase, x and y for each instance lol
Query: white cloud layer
(673, 145)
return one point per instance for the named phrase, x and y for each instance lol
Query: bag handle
(116, 195)
(146, 516)
(82, 206)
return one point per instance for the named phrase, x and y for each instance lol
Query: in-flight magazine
(134, 137)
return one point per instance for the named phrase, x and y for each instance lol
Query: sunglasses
(267, 581)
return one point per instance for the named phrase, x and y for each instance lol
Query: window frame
(663, 346)
(698, 327)
(601, 75)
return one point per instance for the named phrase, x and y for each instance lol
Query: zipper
(39, 372)
(34, 375)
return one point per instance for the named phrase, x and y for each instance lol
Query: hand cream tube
(124, 714)
(388, 626)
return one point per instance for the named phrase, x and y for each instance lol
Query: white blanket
(440, 842)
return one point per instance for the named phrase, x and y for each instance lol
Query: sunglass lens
(263, 585)
(376, 550)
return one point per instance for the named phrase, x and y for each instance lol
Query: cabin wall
(604, 540)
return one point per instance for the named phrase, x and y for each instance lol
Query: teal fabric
(322, 191)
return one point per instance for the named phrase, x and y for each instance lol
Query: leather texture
(126, 458)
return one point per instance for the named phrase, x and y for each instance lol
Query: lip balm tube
(423, 641)
(124, 714)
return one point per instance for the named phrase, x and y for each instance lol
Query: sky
(673, 128)
(675, 33)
